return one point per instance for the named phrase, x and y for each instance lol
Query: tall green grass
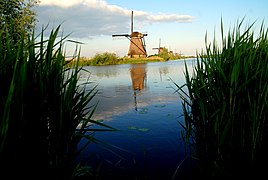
(225, 103)
(44, 111)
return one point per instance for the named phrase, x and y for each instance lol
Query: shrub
(105, 59)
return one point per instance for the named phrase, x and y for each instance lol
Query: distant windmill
(137, 46)
(159, 46)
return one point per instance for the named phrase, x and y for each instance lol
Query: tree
(18, 16)
(164, 54)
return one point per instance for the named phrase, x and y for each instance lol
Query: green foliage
(225, 103)
(105, 59)
(164, 54)
(18, 16)
(44, 112)
(83, 61)
(168, 55)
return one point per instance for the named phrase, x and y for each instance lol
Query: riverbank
(84, 61)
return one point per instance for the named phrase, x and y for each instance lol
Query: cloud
(61, 3)
(92, 18)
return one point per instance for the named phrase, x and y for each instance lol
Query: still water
(141, 102)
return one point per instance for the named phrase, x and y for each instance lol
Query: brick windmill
(137, 46)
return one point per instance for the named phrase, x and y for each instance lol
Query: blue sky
(180, 24)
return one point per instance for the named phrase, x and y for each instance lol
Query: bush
(105, 59)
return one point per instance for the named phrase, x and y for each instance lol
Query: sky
(179, 25)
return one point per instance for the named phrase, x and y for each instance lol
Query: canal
(141, 102)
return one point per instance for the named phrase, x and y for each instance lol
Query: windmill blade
(131, 26)
(116, 35)
(143, 50)
(137, 42)
(144, 33)
(144, 45)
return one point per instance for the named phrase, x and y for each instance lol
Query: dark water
(139, 100)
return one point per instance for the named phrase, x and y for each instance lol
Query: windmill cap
(137, 34)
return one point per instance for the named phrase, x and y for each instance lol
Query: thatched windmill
(137, 46)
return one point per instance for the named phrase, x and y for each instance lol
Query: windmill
(137, 46)
(159, 47)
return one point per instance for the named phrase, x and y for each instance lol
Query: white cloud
(170, 18)
(61, 3)
(91, 18)
(69, 3)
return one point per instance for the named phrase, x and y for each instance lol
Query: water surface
(139, 100)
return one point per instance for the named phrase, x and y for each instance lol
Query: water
(139, 100)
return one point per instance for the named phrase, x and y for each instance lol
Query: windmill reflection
(138, 77)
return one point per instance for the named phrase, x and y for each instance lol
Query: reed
(225, 103)
(44, 111)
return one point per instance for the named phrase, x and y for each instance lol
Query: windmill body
(137, 46)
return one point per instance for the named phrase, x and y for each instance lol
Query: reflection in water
(163, 71)
(138, 77)
(147, 144)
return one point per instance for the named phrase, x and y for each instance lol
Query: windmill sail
(137, 42)
(131, 26)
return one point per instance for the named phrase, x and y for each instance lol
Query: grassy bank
(112, 59)
(225, 104)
